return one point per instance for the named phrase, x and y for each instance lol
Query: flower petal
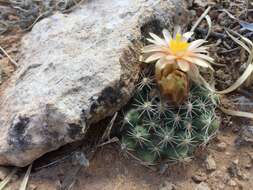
(154, 57)
(177, 30)
(188, 35)
(199, 62)
(195, 44)
(157, 39)
(170, 57)
(159, 66)
(194, 74)
(183, 65)
(202, 63)
(203, 56)
(202, 49)
(167, 35)
(162, 65)
(152, 48)
(153, 42)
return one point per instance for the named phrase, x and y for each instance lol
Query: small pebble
(199, 177)
(248, 163)
(236, 162)
(202, 186)
(221, 186)
(222, 146)
(227, 153)
(210, 163)
(243, 175)
(232, 183)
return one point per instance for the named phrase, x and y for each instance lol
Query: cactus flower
(177, 50)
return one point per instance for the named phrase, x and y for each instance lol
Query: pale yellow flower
(177, 50)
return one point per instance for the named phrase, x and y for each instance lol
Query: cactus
(154, 130)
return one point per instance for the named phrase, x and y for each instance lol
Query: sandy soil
(110, 170)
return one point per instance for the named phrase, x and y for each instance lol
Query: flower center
(178, 44)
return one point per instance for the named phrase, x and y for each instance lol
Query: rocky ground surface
(225, 165)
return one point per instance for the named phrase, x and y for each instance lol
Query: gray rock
(202, 186)
(75, 70)
(246, 136)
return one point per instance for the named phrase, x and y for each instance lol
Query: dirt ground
(110, 170)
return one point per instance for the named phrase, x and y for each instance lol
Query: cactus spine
(156, 130)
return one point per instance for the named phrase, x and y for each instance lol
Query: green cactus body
(156, 130)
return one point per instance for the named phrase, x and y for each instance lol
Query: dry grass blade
(239, 81)
(237, 113)
(209, 22)
(233, 87)
(247, 75)
(35, 21)
(7, 179)
(239, 42)
(198, 79)
(9, 57)
(200, 19)
(54, 162)
(249, 79)
(112, 140)
(25, 180)
(246, 40)
(108, 129)
(69, 180)
(229, 14)
(146, 164)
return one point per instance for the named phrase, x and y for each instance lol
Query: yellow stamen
(178, 44)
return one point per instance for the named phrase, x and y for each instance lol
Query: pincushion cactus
(154, 129)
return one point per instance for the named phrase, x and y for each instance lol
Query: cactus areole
(156, 130)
